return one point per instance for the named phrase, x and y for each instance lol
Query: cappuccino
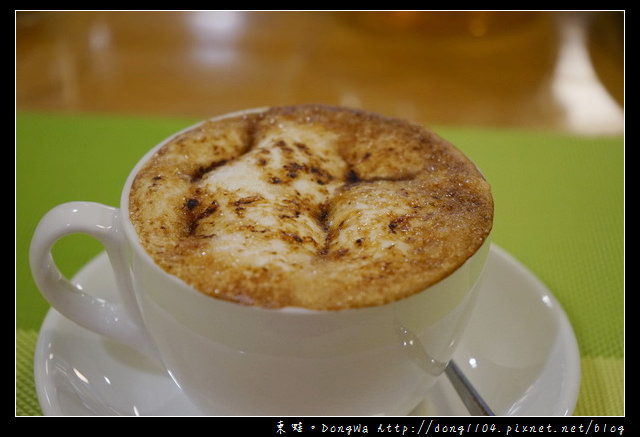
(310, 206)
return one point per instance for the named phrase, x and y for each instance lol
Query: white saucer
(519, 351)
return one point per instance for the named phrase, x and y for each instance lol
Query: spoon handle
(470, 397)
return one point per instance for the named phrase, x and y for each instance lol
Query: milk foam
(311, 206)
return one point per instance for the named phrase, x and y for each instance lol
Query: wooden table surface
(557, 71)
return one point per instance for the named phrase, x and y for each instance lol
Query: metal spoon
(469, 395)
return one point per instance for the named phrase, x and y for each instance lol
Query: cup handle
(121, 321)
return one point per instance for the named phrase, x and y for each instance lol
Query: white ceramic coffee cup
(232, 359)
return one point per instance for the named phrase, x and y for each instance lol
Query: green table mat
(559, 210)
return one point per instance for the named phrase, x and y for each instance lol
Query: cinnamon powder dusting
(310, 206)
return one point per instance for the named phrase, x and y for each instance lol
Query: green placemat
(559, 210)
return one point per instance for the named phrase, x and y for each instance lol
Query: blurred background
(560, 71)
